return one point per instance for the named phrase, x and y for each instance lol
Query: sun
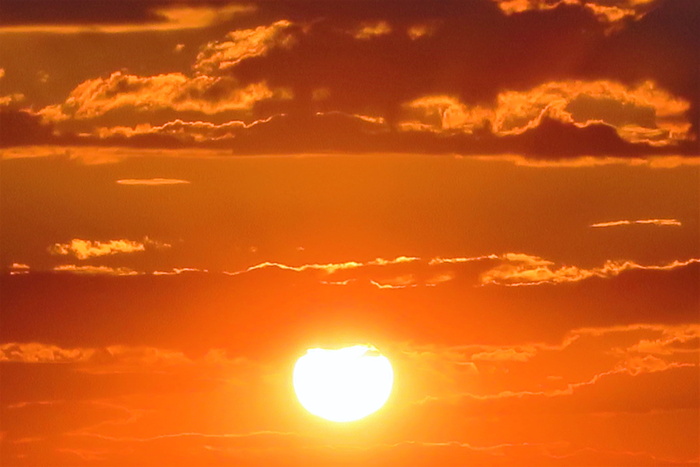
(343, 385)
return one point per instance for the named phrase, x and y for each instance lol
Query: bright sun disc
(343, 385)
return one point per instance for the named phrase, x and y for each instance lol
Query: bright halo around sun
(343, 385)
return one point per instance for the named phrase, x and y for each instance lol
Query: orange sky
(501, 196)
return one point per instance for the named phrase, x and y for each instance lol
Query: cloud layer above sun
(544, 79)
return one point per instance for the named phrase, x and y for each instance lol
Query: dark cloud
(341, 89)
(19, 127)
(474, 52)
(23, 12)
(338, 132)
(334, 132)
(91, 13)
(663, 45)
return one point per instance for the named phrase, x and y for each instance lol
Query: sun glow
(343, 385)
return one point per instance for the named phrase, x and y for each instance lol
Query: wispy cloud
(653, 162)
(243, 44)
(515, 269)
(96, 270)
(660, 222)
(523, 269)
(177, 271)
(328, 268)
(152, 181)
(612, 352)
(196, 131)
(38, 352)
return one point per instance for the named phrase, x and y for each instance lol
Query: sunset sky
(501, 196)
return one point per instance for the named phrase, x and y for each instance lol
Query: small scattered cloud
(178, 48)
(399, 282)
(152, 181)
(19, 268)
(371, 30)
(418, 31)
(42, 77)
(659, 222)
(10, 100)
(84, 249)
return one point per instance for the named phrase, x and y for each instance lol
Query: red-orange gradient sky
(500, 195)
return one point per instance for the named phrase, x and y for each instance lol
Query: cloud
(501, 81)
(441, 260)
(177, 271)
(96, 270)
(152, 181)
(515, 269)
(96, 155)
(546, 370)
(522, 269)
(332, 132)
(375, 29)
(188, 131)
(174, 91)
(659, 222)
(555, 119)
(509, 269)
(19, 268)
(118, 357)
(244, 44)
(34, 352)
(672, 340)
(417, 31)
(651, 366)
(653, 162)
(84, 249)
(328, 268)
(88, 17)
(508, 354)
(603, 10)
(644, 113)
